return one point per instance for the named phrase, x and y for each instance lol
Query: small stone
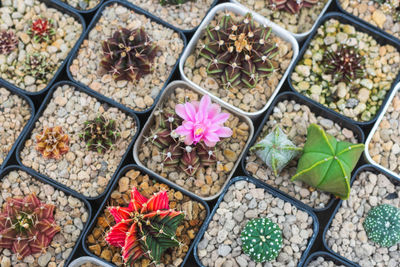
(44, 259)
(106, 254)
(123, 184)
(238, 215)
(5, 262)
(224, 250)
(367, 83)
(222, 235)
(379, 17)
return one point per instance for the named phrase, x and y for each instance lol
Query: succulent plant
(382, 225)
(239, 52)
(42, 30)
(100, 134)
(52, 142)
(261, 239)
(292, 6)
(38, 65)
(326, 163)
(128, 55)
(8, 42)
(146, 228)
(391, 7)
(174, 2)
(276, 150)
(27, 226)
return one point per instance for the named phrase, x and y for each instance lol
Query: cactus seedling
(261, 239)
(8, 42)
(326, 163)
(382, 225)
(37, 65)
(173, 2)
(146, 228)
(292, 6)
(27, 226)
(276, 150)
(42, 30)
(52, 142)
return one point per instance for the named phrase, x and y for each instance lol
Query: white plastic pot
(82, 260)
(240, 10)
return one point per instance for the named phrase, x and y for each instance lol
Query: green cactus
(326, 163)
(174, 2)
(261, 239)
(382, 225)
(276, 150)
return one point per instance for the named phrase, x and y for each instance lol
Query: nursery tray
(170, 88)
(93, 23)
(240, 10)
(115, 185)
(377, 35)
(259, 184)
(327, 256)
(318, 110)
(101, 99)
(67, 191)
(85, 259)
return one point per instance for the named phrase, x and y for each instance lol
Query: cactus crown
(52, 142)
(27, 226)
(276, 150)
(292, 6)
(174, 2)
(128, 55)
(8, 42)
(100, 134)
(37, 65)
(146, 228)
(261, 239)
(382, 225)
(42, 30)
(239, 52)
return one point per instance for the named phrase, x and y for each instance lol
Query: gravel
(84, 171)
(346, 234)
(82, 4)
(15, 112)
(70, 214)
(138, 95)
(223, 232)
(322, 262)
(294, 119)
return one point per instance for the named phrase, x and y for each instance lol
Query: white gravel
(322, 262)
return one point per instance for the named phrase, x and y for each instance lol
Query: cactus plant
(146, 228)
(239, 53)
(276, 150)
(391, 7)
(8, 42)
(174, 2)
(382, 225)
(100, 134)
(27, 226)
(52, 142)
(128, 55)
(42, 30)
(38, 65)
(292, 6)
(326, 163)
(261, 239)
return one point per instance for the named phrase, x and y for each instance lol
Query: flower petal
(181, 112)
(189, 139)
(220, 118)
(190, 112)
(224, 132)
(213, 110)
(181, 130)
(202, 113)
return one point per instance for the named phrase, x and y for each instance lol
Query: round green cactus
(261, 239)
(382, 225)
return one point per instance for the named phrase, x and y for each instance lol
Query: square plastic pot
(267, 188)
(146, 128)
(299, 36)
(93, 23)
(377, 35)
(101, 99)
(86, 259)
(67, 192)
(327, 256)
(240, 10)
(375, 128)
(115, 185)
(318, 110)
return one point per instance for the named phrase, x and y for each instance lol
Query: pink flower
(202, 121)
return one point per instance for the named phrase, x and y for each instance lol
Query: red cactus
(42, 30)
(146, 228)
(27, 226)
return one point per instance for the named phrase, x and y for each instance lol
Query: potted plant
(47, 220)
(83, 6)
(322, 258)
(298, 17)
(86, 261)
(338, 68)
(36, 42)
(78, 139)
(181, 214)
(198, 159)
(16, 112)
(132, 74)
(249, 206)
(242, 66)
(363, 228)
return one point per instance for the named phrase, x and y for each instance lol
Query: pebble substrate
(322, 262)
(82, 4)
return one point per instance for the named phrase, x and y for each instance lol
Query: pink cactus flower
(202, 121)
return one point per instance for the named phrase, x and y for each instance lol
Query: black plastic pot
(101, 99)
(67, 192)
(274, 193)
(95, 19)
(115, 185)
(326, 256)
(377, 35)
(366, 167)
(83, 12)
(318, 110)
(66, 10)
(32, 106)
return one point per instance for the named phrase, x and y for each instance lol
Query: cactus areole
(146, 228)
(326, 163)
